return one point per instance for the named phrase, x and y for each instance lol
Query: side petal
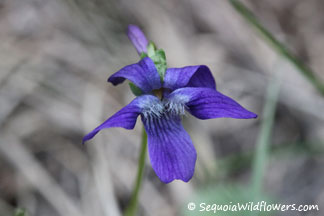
(124, 118)
(171, 151)
(206, 103)
(143, 74)
(138, 39)
(190, 76)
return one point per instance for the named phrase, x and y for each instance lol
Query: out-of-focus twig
(15, 89)
(277, 45)
(15, 68)
(15, 152)
(86, 14)
(101, 178)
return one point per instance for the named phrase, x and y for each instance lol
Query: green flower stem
(277, 45)
(132, 208)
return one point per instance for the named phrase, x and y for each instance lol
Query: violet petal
(171, 151)
(206, 103)
(143, 74)
(190, 76)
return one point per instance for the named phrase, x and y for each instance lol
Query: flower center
(158, 93)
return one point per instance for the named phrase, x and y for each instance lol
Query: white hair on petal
(176, 105)
(175, 108)
(171, 106)
(152, 109)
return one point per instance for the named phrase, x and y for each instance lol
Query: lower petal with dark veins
(171, 151)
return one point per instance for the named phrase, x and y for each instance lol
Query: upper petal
(143, 74)
(206, 103)
(171, 151)
(190, 76)
(138, 39)
(126, 117)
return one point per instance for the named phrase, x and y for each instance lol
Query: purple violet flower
(161, 106)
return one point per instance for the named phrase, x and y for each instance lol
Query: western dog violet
(163, 96)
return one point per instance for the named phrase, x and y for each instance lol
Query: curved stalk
(132, 207)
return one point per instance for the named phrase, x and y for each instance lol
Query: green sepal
(151, 48)
(143, 55)
(159, 59)
(136, 90)
(20, 212)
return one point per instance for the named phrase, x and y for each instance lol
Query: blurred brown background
(55, 57)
